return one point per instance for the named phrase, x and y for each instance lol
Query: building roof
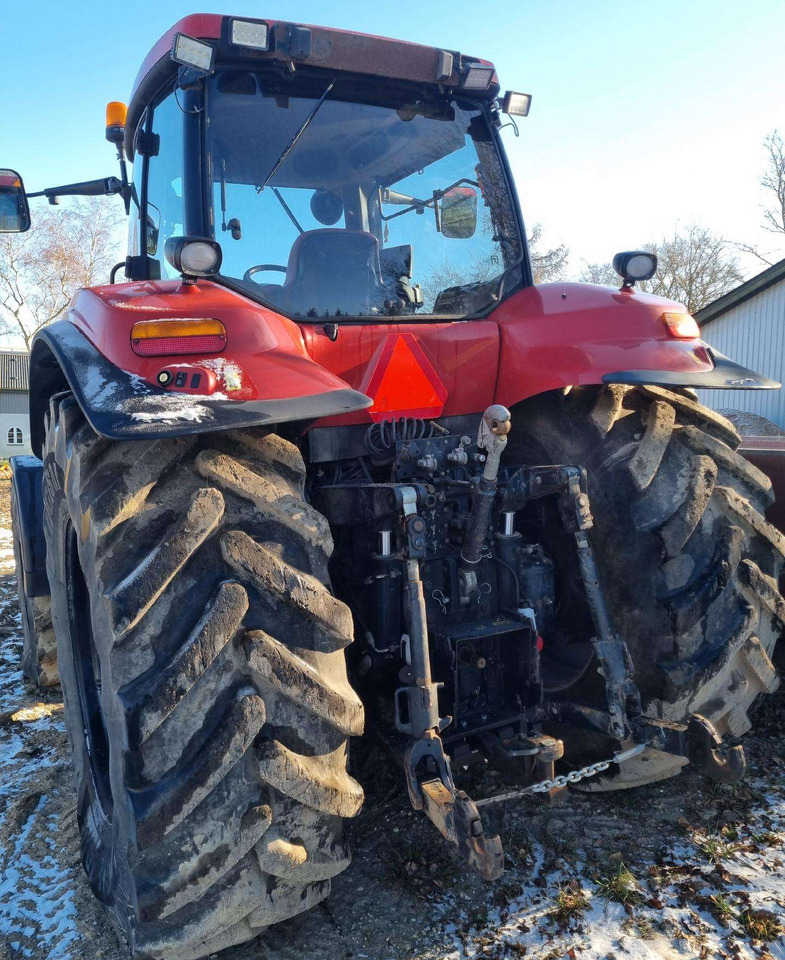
(14, 371)
(749, 288)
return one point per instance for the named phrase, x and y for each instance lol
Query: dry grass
(620, 885)
(569, 903)
(718, 848)
(761, 925)
(721, 909)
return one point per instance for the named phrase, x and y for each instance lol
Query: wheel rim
(88, 675)
(564, 665)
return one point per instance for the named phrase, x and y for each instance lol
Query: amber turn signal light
(682, 326)
(166, 338)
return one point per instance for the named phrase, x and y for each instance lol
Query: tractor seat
(330, 271)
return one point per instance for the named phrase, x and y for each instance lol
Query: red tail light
(166, 338)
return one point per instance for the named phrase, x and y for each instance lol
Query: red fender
(542, 338)
(263, 375)
(266, 348)
(568, 334)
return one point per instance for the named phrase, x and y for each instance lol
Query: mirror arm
(88, 188)
(400, 213)
(422, 205)
(125, 185)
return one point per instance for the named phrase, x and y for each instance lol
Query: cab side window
(164, 185)
(135, 212)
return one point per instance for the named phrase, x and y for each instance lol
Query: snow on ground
(37, 882)
(699, 868)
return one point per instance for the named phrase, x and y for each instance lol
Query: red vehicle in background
(326, 458)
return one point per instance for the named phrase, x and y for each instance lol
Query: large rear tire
(203, 671)
(690, 567)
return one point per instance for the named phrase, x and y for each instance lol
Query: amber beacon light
(116, 113)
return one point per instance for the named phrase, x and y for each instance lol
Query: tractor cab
(333, 192)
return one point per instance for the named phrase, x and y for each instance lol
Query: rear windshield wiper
(292, 143)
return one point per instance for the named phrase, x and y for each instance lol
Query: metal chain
(544, 786)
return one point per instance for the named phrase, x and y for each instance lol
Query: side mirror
(14, 209)
(458, 213)
(153, 229)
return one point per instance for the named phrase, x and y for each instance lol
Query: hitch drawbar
(451, 811)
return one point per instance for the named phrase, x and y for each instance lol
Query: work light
(634, 265)
(478, 77)
(516, 104)
(193, 53)
(194, 256)
(249, 33)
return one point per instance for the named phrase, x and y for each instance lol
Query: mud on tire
(689, 564)
(202, 664)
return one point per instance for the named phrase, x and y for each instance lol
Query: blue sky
(644, 114)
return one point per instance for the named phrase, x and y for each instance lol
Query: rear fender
(568, 334)
(264, 376)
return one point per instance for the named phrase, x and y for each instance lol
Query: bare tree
(600, 273)
(773, 180)
(547, 265)
(695, 267)
(41, 270)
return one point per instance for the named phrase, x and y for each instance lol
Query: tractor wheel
(39, 651)
(689, 565)
(202, 662)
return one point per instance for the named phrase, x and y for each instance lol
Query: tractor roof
(317, 47)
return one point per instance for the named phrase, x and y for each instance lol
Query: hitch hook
(706, 751)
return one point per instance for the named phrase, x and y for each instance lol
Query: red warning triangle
(402, 380)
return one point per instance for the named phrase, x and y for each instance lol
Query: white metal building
(14, 412)
(748, 325)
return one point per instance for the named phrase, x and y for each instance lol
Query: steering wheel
(260, 267)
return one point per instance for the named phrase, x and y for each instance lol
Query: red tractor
(327, 459)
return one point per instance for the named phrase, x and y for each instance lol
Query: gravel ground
(684, 869)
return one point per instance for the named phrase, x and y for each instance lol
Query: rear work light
(197, 54)
(166, 338)
(516, 104)
(682, 326)
(249, 33)
(478, 77)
